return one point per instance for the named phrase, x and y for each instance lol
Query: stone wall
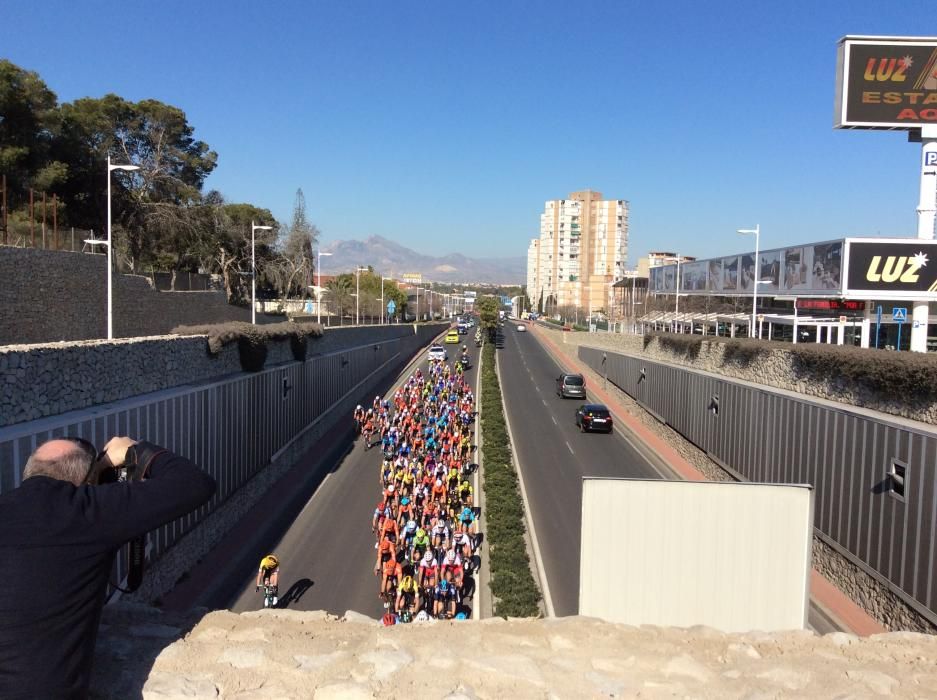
(49, 296)
(46, 380)
(773, 367)
(292, 654)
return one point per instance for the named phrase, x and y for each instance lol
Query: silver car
(438, 353)
(571, 386)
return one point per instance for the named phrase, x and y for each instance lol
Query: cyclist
(408, 595)
(269, 574)
(359, 417)
(467, 520)
(444, 595)
(421, 541)
(466, 493)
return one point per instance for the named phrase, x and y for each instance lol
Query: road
(555, 457)
(327, 553)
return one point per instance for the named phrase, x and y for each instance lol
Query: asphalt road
(554, 457)
(327, 553)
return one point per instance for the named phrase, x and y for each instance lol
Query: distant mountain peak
(393, 259)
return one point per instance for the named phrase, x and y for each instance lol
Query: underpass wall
(231, 426)
(877, 545)
(53, 378)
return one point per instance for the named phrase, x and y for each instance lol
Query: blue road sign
(899, 314)
(391, 306)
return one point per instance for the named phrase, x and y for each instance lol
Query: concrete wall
(46, 380)
(774, 367)
(49, 296)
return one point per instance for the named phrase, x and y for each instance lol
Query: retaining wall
(46, 380)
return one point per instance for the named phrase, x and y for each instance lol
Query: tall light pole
(382, 296)
(110, 254)
(319, 286)
(676, 308)
(756, 232)
(358, 270)
(254, 228)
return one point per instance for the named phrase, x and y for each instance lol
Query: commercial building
(581, 252)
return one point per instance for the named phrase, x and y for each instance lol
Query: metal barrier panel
(847, 455)
(230, 427)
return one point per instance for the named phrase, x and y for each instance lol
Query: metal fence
(875, 477)
(231, 428)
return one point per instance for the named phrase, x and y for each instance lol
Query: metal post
(110, 305)
(32, 218)
(253, 279)
(926, 215)
(878, 323)
(55, 221)
(44, 246)
(382, 300)
(6, 231)
(755, 281)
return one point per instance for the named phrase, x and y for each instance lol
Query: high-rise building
(582, 250)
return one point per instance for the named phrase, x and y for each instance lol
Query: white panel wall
(732, 556)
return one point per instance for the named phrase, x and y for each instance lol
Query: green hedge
(512, 585)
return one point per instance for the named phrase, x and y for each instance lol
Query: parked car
(438, 352)
(594, 416)
(571, 386)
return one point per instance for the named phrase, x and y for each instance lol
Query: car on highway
(438, 352)
(462, 328)
(594, 416)
(571, 386)
(521, 328)
(452, 336)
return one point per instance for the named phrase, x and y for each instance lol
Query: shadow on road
(295, 592)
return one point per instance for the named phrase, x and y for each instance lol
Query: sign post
(878, 324)
(899, 314)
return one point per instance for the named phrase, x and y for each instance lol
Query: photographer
(60, 532)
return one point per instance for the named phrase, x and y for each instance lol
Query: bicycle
(270, 596)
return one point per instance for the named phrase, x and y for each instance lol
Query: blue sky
(446, 125)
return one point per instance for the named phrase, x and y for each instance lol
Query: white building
(582, 251)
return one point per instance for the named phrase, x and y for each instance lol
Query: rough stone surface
(288, 654)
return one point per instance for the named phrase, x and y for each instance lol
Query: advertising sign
(813, 269)
(886, 82)
(893, 268)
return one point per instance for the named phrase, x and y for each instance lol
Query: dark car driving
(571, 386)
(594, 416)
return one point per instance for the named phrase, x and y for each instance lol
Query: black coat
(57, 545)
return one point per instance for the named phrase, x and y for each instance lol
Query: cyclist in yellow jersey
(269, 574)
(408, 595)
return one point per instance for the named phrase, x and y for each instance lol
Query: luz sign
(886, 82)
(891, 268)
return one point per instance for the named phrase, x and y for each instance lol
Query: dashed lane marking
(569, 448)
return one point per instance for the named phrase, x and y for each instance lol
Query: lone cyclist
(269, 574)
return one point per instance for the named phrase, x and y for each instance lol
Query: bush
(512, 585)
(252, 340)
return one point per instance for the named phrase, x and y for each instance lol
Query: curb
(843, 608)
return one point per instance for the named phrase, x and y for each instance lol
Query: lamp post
(319, 286)
(358, 270)
(756, 232)
(254, 228)
(676, 308)
(110, 273)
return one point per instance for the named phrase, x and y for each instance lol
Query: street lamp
(382, 296)
(319, 285)
(756, 232)
(254, 228)
(93, 242)
(358, 270)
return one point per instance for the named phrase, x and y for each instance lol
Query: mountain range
(393, 260)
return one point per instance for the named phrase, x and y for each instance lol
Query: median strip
(513, 587)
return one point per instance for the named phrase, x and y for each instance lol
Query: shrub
(252, 340)
(686, 345)
(512, 584)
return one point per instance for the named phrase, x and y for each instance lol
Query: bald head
(64, 460)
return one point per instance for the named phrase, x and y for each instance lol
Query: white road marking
(544, 401)
(554, 420)
(569, 448)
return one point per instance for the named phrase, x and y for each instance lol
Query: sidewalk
(833, 600)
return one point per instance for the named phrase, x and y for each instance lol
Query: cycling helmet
(420, 532)
(411, 525)
(444, 585)
(269, 562)
(460, 616)
(390, 489)
(358, 407)
(427, 556)
(422, 616)
(404, 501)
(450, 555)
(466, 484)
(389, 619)
(438, 482)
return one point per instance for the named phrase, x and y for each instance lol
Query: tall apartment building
(582, 250)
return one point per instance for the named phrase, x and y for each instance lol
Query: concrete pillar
(841, 334)
(796, 331)
(770, 329)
